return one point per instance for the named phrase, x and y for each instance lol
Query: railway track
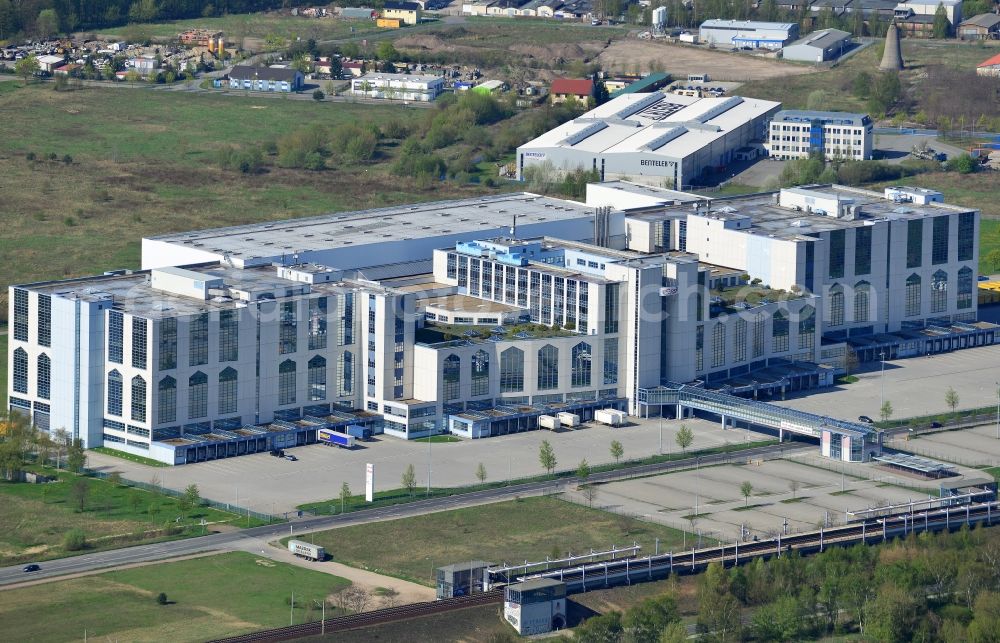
(367, 619)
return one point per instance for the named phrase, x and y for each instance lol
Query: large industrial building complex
(660, 139)
(796, 134)
(748, 33)
(478, 316)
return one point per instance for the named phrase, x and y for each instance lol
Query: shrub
(161, 598)
(75, 540)
(318, 95)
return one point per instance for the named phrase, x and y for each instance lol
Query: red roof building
(989, 67)
(563, 88)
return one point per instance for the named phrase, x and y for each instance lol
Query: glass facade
(779, 332)
(512, 370)
(582, 359)
(44, 320)
(168, 343)
(20, 315)
(939, 241)
(317, 378)
(228, 390)
(116, 337)
(229, 336)
(862, 301)
(451, 378)
(140, 339)
(807, 327)
(166, 400)
(966, 235)
(20, 375)
(912, 295)
(317, 323)
(286, 382)
(966, 288)
(115, 393)
(198, 337)
(480, 373)
(287, 332)
(611, 307)
(837, 244)
(699, 348)
(836, 305)
(44, 376)
(548, 367)
(740, 340)
(718, 345)
(345, 374)
(138, 399)
(758, 336)
(914, 243)
(863, 250)
(197, 396)
(939, 291)
(611, 361)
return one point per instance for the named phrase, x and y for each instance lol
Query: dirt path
(679, 60)
(370, 581)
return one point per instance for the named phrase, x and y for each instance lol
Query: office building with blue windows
(797, 134)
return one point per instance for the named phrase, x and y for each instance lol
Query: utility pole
(997, 385)
(291, 610)
(429, 465)
(881, 400)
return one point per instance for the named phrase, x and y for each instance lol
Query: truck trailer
(550, 422)
(359, 432)
(305, 550)
(336, 438)
(611, 417)
(569, 419)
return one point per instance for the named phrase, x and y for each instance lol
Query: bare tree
(389, 596)
(794, 486)
(589, 492)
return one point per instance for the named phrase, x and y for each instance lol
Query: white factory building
(659, 138)
(795, 134)
(748, 33)
(398, 86)
(478, 316)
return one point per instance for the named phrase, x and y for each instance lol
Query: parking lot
(915, 386)
(976, 446)
(709, 500)
(275, 485)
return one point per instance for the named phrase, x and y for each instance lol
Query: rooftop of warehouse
(132, 292)
(399, 223)
(767, 217)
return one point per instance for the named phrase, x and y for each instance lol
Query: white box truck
(305, 550)
(610, 417)
(569, 419)
(548, 422)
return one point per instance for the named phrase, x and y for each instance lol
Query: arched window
(548, 367)
(317, 378)
(807, 327)
(836, 305)
(912, 295)
(138, 399)
(862, 301)
(228, 390)
(939, 292)
(582, 359)
(512, 370)
(480, 373)
(718, 345)
(44, 376)
(197, 395)
(965, 288)
(451, 377)
(779, 331)
(20, 371)
(345, 374)
(286, 382)
(166, 400)
(114, 393)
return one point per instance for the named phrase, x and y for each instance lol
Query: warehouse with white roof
(658, 138)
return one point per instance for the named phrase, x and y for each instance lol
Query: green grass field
(3, 369)
(255, 25)
(34, 518)
(527, 528)
(208, 598)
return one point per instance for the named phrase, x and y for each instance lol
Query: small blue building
(265, 79)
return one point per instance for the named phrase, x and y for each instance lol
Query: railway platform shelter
(839, 439)
(914, 464)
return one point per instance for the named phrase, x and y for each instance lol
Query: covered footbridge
(839, 439)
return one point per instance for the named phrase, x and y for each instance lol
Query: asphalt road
(228, 541)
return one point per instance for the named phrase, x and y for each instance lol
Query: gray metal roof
(822, 39)
(914, 462)
(985, 20)
(805, 115)
(245, 72)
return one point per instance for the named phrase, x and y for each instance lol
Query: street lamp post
(997, 385)
(660, 451)
(881, 401)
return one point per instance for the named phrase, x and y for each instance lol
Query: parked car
(936, 425)
(291, 458)
(278, 453)
(33, 567)
(865, 419)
